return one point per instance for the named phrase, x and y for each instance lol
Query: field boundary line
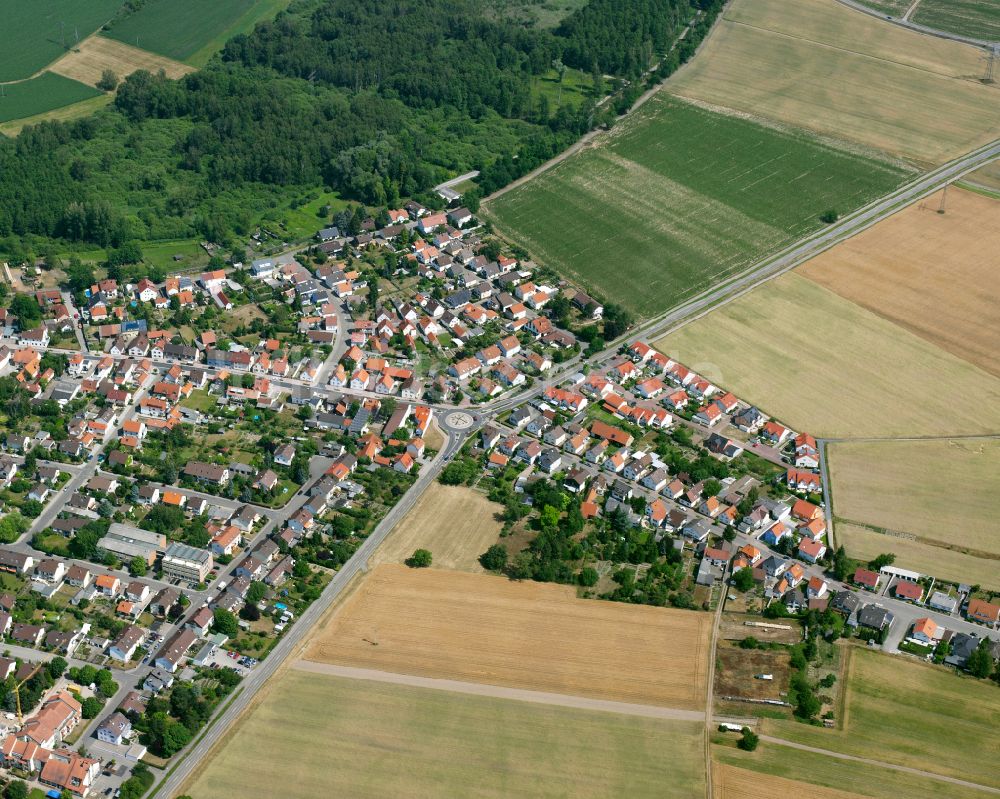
(825, 45)
(880, 764)
(589, 137)
(70, 50)
(915, 439)
(824, 473)
(916, 27)
(710, 690)
(499, 692)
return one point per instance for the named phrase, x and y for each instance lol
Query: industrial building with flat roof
(128, 542)
(187, 563)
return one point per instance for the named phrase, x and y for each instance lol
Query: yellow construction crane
(17, 690)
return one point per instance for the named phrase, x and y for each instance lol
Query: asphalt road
(771, 267)
(692, 309)
(294, 635)
(913, 26)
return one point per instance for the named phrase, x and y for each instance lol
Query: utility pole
(944, 199)
(990, 56)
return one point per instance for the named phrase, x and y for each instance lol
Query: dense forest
(376, 100)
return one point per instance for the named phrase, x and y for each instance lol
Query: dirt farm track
(483, 628)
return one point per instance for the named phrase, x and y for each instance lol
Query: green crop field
(34, 31)
(912, 714)
(329, 736)
(678, 198)
(979, 19)
(38, 95)
(894, 8)
(191, 30)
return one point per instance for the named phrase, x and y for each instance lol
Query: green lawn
(34, 31)
(303, 222)
(394, 740)
(161, 253)
(200, 400)
(191, 30)
(677, 198)
(576, 87)
(979, 19)
(45, 93)
(912, 714)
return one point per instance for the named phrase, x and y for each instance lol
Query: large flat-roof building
(187, 563)
(128, 542)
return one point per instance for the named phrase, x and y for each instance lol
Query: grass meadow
(975, 18)
(456, 523)
(65, 113)
(775, 770)
(39, 95)
(329, 736)
(191, 30)
(680, 197)
(819, 65)
(34, 31)
(911, 714)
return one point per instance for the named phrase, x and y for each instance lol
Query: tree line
(377, 101)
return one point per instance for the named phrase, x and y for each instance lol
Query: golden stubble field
(934, 274)
(731, 782)
(823, 364)
(943, 492)
(537, 636)
(457, 524)
(819, 65)
(97, 53)
(865, 544)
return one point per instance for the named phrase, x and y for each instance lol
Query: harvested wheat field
(730, 782)
(821, 363)
(457, 524)
(537, 636)
(928, 272)
(909, 486)
(819, 65)
(94, 55)
(378, 740)
(864, 544)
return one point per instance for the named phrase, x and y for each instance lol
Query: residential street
(294, 636)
